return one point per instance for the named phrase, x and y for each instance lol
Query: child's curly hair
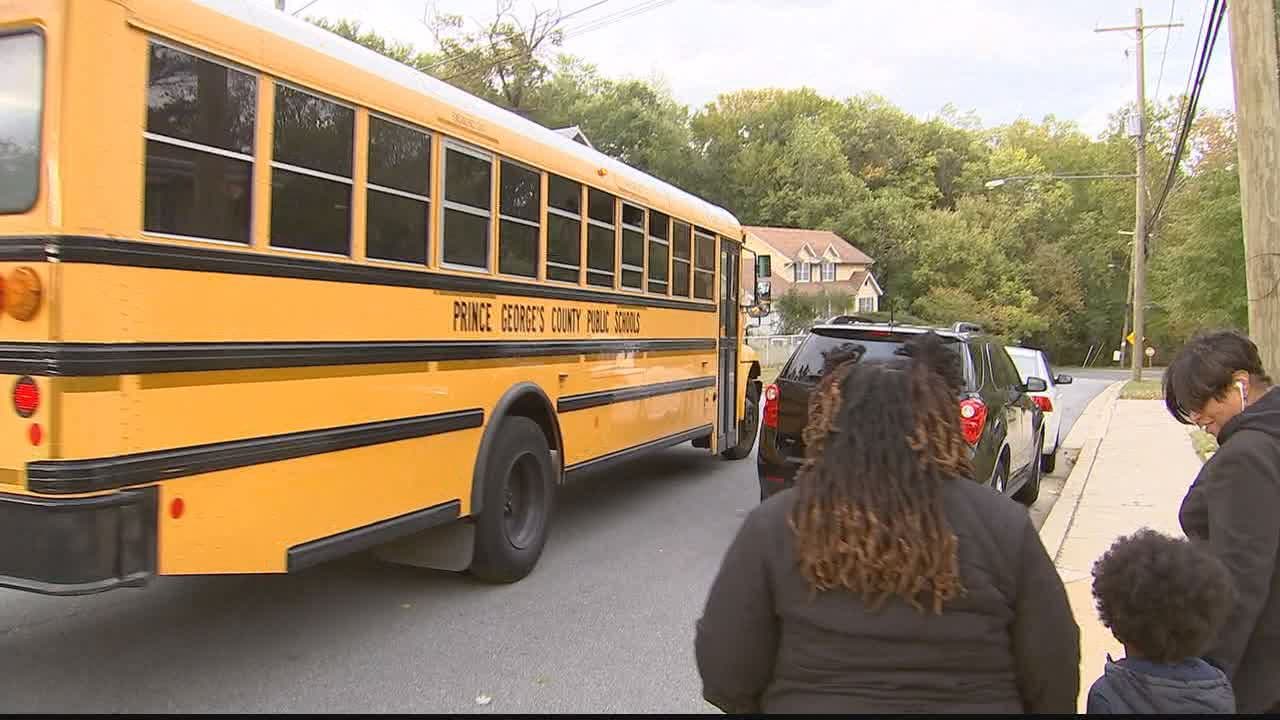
(1162, 597)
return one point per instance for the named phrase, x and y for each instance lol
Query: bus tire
(519, 493)
(750, 428)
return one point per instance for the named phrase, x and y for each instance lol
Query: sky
(1000, 59)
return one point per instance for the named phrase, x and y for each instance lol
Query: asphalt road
(604, 625)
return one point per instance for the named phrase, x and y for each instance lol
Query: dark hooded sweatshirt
(1138, 687)
(767, 643)
(1233, 510)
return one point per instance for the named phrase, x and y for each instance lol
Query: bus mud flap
(447, 547)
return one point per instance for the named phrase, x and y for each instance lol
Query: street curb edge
(1057, 525)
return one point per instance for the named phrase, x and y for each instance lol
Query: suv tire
(1030, 491)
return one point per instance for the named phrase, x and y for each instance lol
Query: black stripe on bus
(570, 403)
(91, 359)
(363, 538)
(61, 477)
(620, 456)
(133, 253)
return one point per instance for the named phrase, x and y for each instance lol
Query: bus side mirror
(764, 273)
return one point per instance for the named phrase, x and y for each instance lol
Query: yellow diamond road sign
(1129, 338)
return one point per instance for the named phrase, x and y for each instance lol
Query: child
(1165, 600)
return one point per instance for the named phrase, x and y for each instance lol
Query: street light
(997, 182)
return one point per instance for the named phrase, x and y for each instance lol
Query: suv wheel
(1030, 491)
(1000, 476)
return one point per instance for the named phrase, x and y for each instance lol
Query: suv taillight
(771, 406)
(973, 416)
(1044, 402)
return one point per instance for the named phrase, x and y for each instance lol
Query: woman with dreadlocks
(887, 580)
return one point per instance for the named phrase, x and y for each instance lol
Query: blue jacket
(1132, 686)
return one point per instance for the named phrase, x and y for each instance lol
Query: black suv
(1004, 427)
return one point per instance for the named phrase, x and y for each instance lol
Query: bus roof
(263, 15)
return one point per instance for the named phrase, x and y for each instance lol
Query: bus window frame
(372, 186)
(540, 225)
(277, 83)
(448, 143)
(148, 136)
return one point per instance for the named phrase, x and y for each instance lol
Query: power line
(304, 7)
(459, 56)
(1165, 53)
(1216, 15)
(574, 32)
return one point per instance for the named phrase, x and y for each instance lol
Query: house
(575, 134)
(811, 261)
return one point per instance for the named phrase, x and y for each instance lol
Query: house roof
(790, 241)
(575, 134)
(780, 285)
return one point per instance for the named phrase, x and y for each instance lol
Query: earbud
(1244, 396)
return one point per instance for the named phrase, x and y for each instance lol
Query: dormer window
(828, 271)
(802, 272)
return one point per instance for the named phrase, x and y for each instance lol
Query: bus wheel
(519, 489)
(750, 426)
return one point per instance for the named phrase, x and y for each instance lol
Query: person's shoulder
(1098, 702)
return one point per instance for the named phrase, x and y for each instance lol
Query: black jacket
(1138, 687)
(1233, 509)
(766, 643)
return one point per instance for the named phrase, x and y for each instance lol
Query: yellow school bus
(270, 298)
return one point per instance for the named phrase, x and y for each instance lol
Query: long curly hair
(882, 438)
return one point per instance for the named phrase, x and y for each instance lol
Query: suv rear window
(810, 358)
(21, 101)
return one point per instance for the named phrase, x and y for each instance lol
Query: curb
(1087, 434)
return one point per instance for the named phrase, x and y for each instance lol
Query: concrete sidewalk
(1135, 465)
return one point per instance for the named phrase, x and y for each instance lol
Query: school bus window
(659, 251)
(564, 225)
(680, 260)
(199, 147)
(398, 193)
(632, 247)
(468, 182)
(311, 173)
(22, 91)
(600, 238)
(704, 262)
(519, 207)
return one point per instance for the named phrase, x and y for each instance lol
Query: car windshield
(814, 353)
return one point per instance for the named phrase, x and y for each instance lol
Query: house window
(866, 304)
(815, 271)
(802, 272)
(828, 271)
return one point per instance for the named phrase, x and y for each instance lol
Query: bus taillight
(22, 293)
(26, 397)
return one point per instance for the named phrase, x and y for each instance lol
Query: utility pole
(280, 5)
(1140, 211)
(1257, 89)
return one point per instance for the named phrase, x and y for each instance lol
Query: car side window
(1006, 373)
(981, 367)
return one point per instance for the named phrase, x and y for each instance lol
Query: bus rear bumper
(77, 546)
